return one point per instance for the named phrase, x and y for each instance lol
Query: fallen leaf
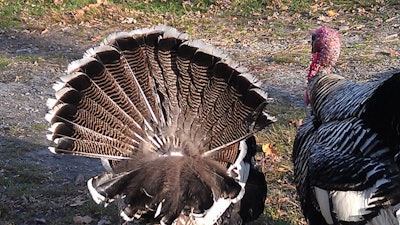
(269, 149)
(82, 219)
(79, 14)
(78, 201)
(391, 19)
(284, 7)
(45, 31)
(128, 20)
(104, 221)
(393, 36)
(391, 53)
(281, 212)
(296, 122)
(314, 8)
(17, 78)
(359, 26)
(361, 11)
(325, 19)
(58, 2)
(331, 13)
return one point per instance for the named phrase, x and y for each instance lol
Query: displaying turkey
(172, 120)
(346, 154)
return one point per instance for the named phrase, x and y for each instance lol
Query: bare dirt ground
(37, 60)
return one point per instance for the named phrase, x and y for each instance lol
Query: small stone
(40, 220)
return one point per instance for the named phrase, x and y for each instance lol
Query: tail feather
(77, 139)
(124, 77)
(104, 81)
(166, 114)
(194, 186)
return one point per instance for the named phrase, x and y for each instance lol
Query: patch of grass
(4, 61)
(9, 11)
(39, 127)
(172, 7)
(248, 7)
(291, 58)
(19, 186)
(298, 6)
(18, 12)
(15, 130)
(281, 205)
(75, 4)
(284, 59)
(28, 58)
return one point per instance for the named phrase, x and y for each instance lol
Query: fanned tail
(170, 116)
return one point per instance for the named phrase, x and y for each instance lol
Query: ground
(38, 187)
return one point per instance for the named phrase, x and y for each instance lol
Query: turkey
(172, 120)
(346, 154)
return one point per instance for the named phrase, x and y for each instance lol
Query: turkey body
(346, 154)
(172, 121)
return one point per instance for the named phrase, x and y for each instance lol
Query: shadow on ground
(38, 187)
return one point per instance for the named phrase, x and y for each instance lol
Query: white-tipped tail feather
(96, 196)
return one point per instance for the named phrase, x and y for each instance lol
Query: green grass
(4, 61)
(281, 205)
(18, 12)
(177, 8)
(28, 58)
(9, 11)
(178, 13)
(39, 127)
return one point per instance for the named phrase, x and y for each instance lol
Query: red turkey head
(325, 51)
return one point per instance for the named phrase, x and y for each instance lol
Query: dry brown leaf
(58, 2)
(325, 19)
(82, 219)
(284, 7)
(391, 19)
(269, 149)
(79, 14)
(284, 169)
(314, 8)
(96, 38)
(331, 13)
(359, 26)
(44, 31)
(361, 11)
(296, 122)
(393, 36)
(393, 53)
(17, 78)
(281, 212)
